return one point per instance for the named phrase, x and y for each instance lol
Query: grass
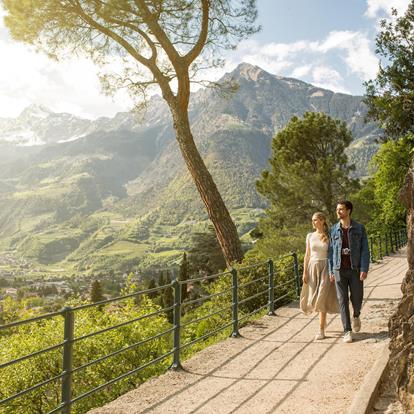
(48, 192)
(124, 248)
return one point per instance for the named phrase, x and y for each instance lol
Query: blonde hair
(325, 234)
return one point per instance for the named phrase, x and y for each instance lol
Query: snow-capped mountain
(38, 125)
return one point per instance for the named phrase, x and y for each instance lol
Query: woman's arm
(306, 260)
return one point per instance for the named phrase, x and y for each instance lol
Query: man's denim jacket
(358, 245)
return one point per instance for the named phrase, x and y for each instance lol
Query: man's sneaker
(356, 324)
(348, 337)
(320, 335)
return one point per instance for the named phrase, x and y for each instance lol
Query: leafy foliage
(27, 339)
(153, 33)
(390, 97)
(378, 199)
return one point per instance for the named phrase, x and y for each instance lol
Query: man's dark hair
(347, 204)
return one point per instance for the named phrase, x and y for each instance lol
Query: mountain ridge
(121, 196)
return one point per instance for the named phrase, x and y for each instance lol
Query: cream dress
(319, 294)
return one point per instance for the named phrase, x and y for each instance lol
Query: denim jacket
(358, 245)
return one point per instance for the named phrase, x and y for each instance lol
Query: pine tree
(206, 255)
(309, 170)
(96, 291)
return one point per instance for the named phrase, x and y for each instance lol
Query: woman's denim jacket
(358, 245)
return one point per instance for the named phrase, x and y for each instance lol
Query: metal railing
(233, 292)
(384, 243)
(267, 285)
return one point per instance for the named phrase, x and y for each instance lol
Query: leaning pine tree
(158, 43)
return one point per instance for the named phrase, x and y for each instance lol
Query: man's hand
(363, 276)
(305, 278)
(332, 278)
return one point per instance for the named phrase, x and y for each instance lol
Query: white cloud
(301, 71)
(358, 54)
(71, 85)
(283, 50)
(376, 7)
(273, 57)
(328, 78)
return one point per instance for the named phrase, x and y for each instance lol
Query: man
(348, 265)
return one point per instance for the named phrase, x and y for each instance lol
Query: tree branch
(151, 20)
(108, 32)
(136, 29)
(148, 63)
(198, 47)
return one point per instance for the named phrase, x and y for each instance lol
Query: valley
(82, 197)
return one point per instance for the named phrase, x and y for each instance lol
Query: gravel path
(276, 366)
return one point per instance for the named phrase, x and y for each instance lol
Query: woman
(318, 292)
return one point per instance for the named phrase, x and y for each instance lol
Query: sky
(328, 43)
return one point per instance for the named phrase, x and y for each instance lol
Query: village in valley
(25, 283)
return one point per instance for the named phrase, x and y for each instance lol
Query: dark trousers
(347, 280)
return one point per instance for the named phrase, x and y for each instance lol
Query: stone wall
(401, 324)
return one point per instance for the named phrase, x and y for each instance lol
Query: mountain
(114, 193)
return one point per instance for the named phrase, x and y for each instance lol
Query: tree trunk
(223, 224)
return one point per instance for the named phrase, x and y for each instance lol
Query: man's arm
(330, 255)
(365, 256)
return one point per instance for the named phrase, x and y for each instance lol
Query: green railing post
(271, 288)
(69, 326)
(235, 304)
(386, 245)
(397, 240)
(176, 365)
(380, 246)
(371, 250)
(296, 273)
(391, 242)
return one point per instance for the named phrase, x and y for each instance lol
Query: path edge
(368, 391)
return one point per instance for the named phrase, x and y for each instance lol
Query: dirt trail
(277, 366)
